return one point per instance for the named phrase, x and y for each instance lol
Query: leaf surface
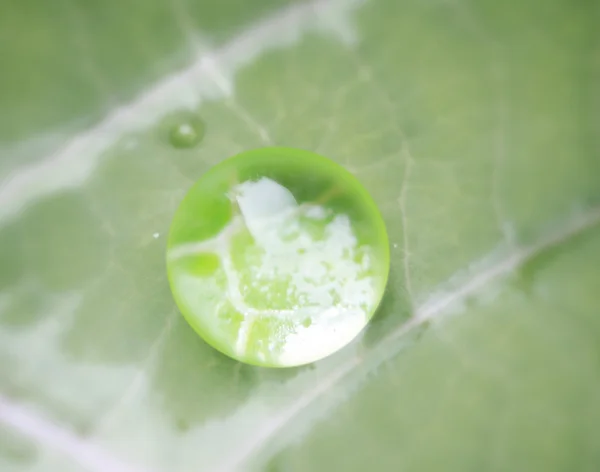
(472, 124)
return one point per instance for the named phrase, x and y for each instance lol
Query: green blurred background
(473, 123)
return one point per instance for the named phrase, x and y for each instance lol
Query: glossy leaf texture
(474, 125)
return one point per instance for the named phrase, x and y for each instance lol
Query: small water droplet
(187, 133)
(395, 245)
(156, 235)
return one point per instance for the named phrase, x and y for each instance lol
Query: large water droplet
(278, 257)
(187, 132)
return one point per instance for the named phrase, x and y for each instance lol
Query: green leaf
(472, 124)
